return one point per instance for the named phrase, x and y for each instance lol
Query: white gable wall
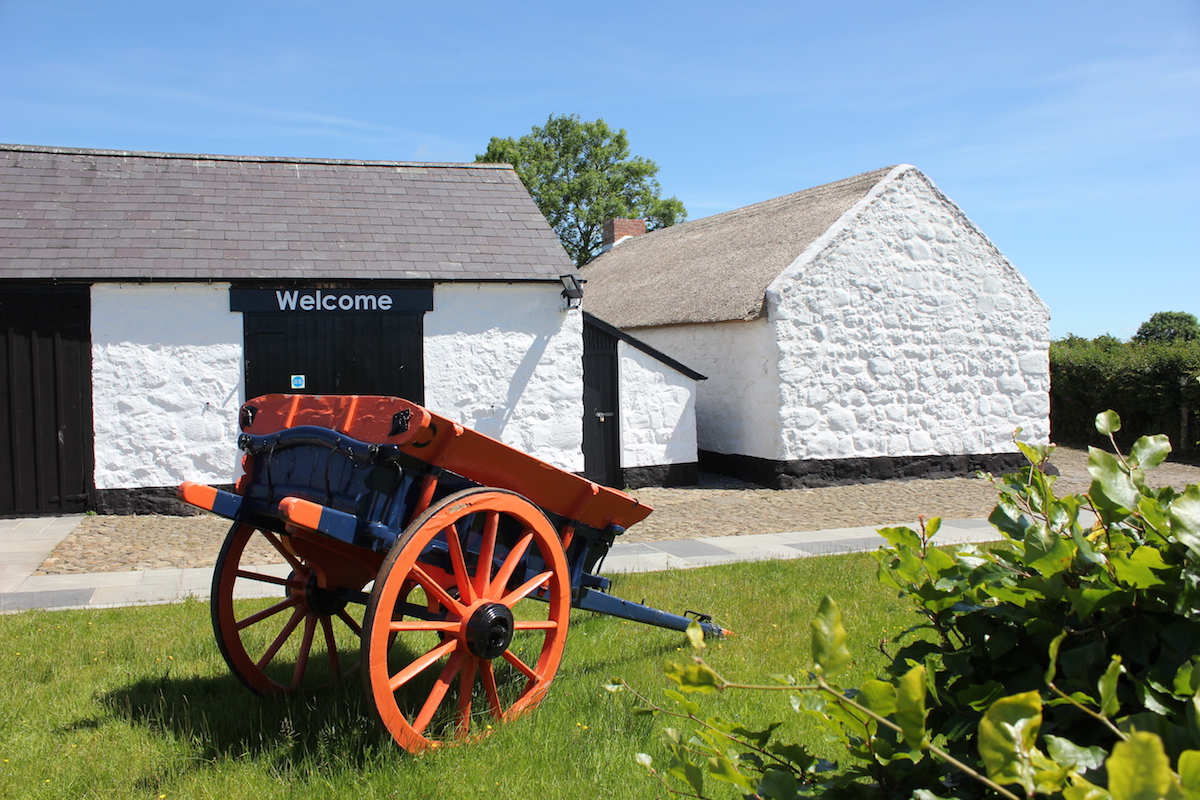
(737, 408)
(166, 384)
(908, 333)
(658, 411)
(507, 360)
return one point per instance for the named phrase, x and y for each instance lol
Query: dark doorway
(601, 420)
(335, 354)
(45, 399)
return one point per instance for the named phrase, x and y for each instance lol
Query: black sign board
(332, 300)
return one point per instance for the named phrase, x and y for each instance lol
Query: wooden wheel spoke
(283, 636)
(278, 545)
(408, 625)
(350, 621)
(436, 591)
(310, 627)
(438, 692)
(488, 676)
(505, 573)
(420, 664)
(524, 668)
(331, 645)
(270, 611)
(466, 589)
(290, 583)
(536, 625)
(525, 589)
(466, 686)
(487, 551)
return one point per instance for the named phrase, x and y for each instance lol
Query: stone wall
(901, 334)
(166, 384)
(908, 334)
(658, 411)
(737, 408)
(507, 360)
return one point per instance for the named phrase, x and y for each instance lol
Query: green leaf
(645, 760)
(1189, 769)
(1007, 736)
(879, 696)
(1052, 670)
(689, 773)
(1136, 573)
(910, 706)
(1108, 422)
(724, 769)
(1069, 754)
(1109, 705)
(1185, 519)
(932, 526)
(777, 784)
(1138, 769)
(1110, 482)
(1150, 451)
(829, 650)
(694, 677)
(695, 636)
(901, 536)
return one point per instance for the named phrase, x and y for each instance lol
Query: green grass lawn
(138, 703)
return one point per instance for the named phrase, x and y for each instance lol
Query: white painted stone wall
(167, 384)
(908, 333)
(658, 411)
(904, 333)
(507, 360)
(737, 408)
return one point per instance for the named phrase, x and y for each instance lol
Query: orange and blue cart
(372, 534)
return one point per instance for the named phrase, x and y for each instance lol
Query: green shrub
(1064, 662)
(1149, 384)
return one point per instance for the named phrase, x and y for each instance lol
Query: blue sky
(1068, 131)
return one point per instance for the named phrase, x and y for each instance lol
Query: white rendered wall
(166, 384)
(507, 360)
(737, 408)
(909, 333)
(658, 411)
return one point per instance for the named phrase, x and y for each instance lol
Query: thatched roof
(74, 214)
(716, 269)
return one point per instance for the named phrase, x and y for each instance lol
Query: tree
(1168, 326)
(581, 175)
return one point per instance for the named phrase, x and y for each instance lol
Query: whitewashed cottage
(861, 329)
(145, 296)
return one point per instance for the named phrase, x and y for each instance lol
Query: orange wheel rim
(498, 611)
(279, 631)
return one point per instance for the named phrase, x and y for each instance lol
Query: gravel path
(718, 507)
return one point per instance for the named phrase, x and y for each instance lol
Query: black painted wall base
(661, 475)
(148, 500)
(837, 472)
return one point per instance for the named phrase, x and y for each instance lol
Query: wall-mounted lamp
(572, 290)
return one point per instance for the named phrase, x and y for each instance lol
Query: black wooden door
(601, 420)
(46, 461)
(335, 354)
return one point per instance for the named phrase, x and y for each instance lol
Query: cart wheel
(283, 625)
(485, 624)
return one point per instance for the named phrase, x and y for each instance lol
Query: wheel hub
(490, 630)
(323, 602)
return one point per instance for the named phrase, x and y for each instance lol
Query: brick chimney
(617, 229)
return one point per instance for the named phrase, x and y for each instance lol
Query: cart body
(436, 530)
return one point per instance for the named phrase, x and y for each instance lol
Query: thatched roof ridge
(716, 269)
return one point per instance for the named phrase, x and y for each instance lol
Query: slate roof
(103, 215)
(716, 269)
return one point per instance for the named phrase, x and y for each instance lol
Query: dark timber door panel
(601, 420)
(46, 461)
(335, 354)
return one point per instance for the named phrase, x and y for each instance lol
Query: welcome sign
(332, 300)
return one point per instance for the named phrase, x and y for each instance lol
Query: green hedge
(1148, 384)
